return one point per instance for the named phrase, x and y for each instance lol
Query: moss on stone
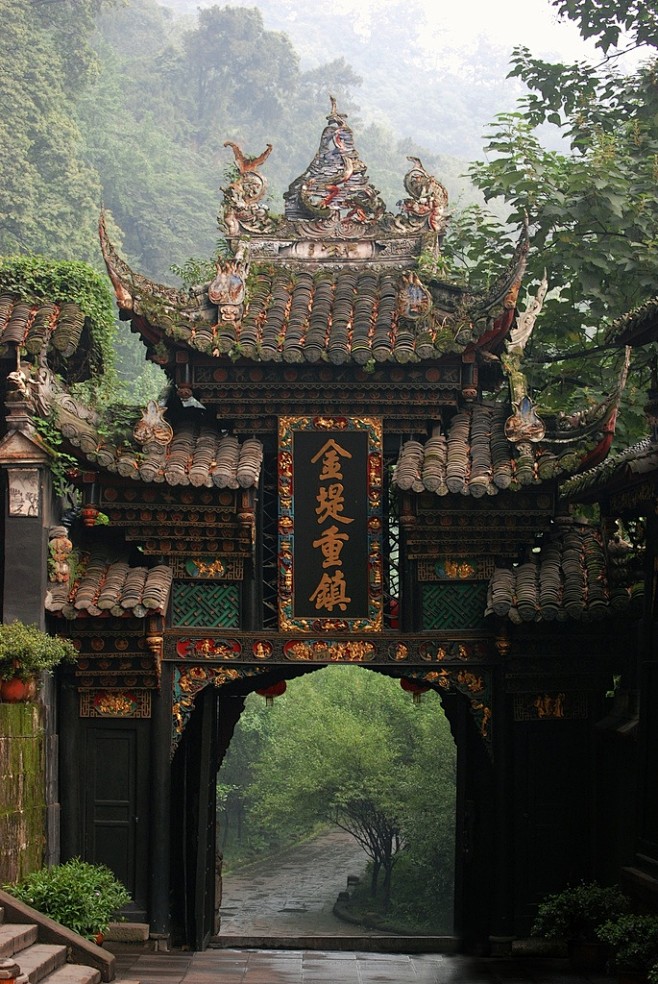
(22, 791)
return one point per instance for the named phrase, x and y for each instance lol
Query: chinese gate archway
(335, 477)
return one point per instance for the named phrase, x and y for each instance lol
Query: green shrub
(633, 941)
(25, 651)
(81, 896)
(577, 911)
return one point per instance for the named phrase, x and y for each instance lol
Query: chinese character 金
(331, 464)
(330, 593)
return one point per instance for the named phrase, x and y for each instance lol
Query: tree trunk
(375, 877)
(388, 877)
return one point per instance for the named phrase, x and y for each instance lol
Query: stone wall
(22, 790)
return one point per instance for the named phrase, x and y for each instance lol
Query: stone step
(75, 974)
(15, 937)
(40, 960)
(127, 932)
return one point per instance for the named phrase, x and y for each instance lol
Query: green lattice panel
(454, 606)
(204, 604)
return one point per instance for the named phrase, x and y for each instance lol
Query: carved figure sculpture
(227, 290)
(428, 203)
(243, 208)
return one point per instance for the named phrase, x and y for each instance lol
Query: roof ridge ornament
(336, 182)
(524, 424)
(333, 214)
(228, 289)
(153, 428)
(244, 211)
(429, 198)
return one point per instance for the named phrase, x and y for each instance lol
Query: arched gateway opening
(194, 820)
(346, 774)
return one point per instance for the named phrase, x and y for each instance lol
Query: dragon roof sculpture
(335, 278)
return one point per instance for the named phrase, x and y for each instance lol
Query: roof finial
(244, 163)
(334, 115)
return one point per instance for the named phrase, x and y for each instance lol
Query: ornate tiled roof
(361, 315)
(615, 471)
(572, 577)
(476, 456)
(33, 326)
(335, 278)
(191, 453)
(637, 327)
(111, 588)
(46, 328)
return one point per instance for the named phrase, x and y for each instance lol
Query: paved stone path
(293, 894)
(321, 967)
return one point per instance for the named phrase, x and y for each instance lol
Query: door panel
(115, 786)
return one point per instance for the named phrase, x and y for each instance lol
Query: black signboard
(330, 523)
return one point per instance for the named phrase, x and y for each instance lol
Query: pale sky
(453, 23)
(457, 23)
(439, 37)
(504, 22)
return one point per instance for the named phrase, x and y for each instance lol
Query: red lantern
(269, 693)
(415, 689)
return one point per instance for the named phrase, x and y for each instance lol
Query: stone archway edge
(475, 684)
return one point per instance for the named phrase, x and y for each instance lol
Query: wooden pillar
(475, 845)
(641, 876)
(160, 817)
(502, 909)
(27, 519)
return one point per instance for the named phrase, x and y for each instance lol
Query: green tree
(592, 207)
(231, 76)
(236, 776)
(49, 195)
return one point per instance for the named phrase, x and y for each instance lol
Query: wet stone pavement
(278, 928)
(330, 967)
(294, 893)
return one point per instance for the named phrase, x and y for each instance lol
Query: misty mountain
(442, 102)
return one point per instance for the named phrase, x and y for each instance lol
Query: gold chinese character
(331, 503)
(331, 543)
(330, 593)
(331, 463)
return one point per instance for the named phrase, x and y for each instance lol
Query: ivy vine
(61, 462)
(36, 279)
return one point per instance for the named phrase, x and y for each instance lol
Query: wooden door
(115, 790)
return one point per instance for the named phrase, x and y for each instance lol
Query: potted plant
(574, 915)
(25, 651)
(652, 976)
(81, 896)
(633, 943)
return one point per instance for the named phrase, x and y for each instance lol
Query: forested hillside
(441, 99)
(129, 106)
